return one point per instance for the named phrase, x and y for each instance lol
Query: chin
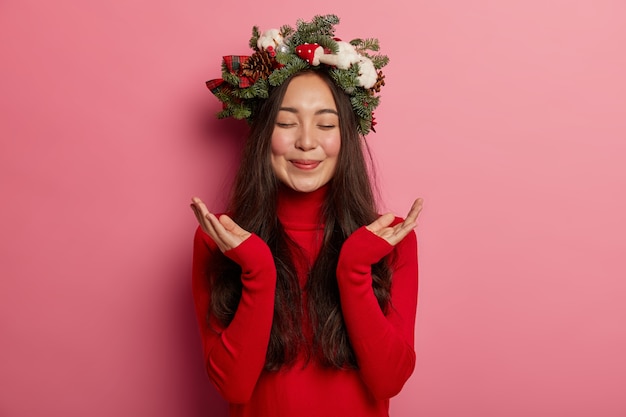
(305, 188)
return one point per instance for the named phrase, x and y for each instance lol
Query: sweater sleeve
(235, 355)
(383, 343)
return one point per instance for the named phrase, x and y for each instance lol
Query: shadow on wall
(197, 395)
(219, 144)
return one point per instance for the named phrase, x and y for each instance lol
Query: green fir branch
(261, 88)
(379, 61)
(279, 76)
(369, 44)
(230, 78)
(256, 34)
(286, 31)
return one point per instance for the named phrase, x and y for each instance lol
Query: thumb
(228, 223)
(231, 227)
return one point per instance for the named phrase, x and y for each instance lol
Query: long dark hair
(253, 206)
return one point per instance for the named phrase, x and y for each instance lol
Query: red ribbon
(233, 64)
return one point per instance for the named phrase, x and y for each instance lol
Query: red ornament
(307, 52)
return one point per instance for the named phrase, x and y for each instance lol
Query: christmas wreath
(280, 53)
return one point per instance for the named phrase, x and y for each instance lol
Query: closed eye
(285, 125)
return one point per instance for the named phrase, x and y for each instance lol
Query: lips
(305, 164)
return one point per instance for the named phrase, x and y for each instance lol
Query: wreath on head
(354, 66)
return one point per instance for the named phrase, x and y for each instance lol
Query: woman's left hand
(394, 234)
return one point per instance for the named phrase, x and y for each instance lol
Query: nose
(306, 139)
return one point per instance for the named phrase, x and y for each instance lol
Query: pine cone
(259, 65)
(380, 81)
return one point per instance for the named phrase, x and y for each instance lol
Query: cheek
(280, 145)
(332, 147)
(279, 149)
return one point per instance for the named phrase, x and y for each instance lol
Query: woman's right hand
(224, 231)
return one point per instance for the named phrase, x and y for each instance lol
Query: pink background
(509, 118)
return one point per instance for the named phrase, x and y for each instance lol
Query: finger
(200, 211)
(380, 223)
(230, 225)
(217, 233)
(229, 238)
(410, 222)
(397, 233)
(196, 213)
(210, 225)
(204, 217)
(415, 210)
(402, 230)
(215, 224)
(198, 206)
(196, 200)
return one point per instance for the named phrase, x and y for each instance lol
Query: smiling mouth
(305, 164)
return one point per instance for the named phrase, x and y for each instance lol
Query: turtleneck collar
(301, 210)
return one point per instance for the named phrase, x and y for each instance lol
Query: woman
(305, 297)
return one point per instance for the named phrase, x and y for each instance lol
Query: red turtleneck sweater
(383, 344)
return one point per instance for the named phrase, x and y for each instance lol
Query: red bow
(233, 64)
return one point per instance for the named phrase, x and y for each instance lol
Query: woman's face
(306, 138)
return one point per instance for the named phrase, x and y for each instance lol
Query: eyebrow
(321, 111)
